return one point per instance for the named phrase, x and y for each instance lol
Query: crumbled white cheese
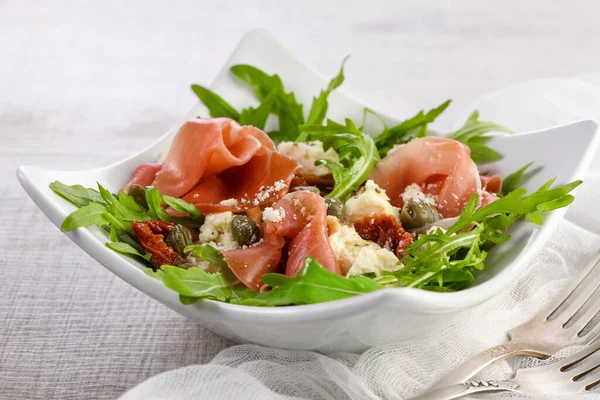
(371, 260)
(415, 193)
(273, 215)
(229, 202)
(264, 193)
(346, 244)
(358, 256)
(306, 154)
(217, 229)
(205, 265)
(370, 200)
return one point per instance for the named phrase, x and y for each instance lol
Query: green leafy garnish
(513, 181)
(92, 214)
(115, 213)
(473, 132)
(358, 156)
(415, 126)
(313, 284)
(318, 109)
(257, 117)
(196, 283)
(289, 112)
(127, 249)
(217, 107)
(182, 206)
(76, 194)
(443, 260)
(207, 253)
(274, 100)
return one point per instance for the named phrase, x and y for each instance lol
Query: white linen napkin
(406, 368)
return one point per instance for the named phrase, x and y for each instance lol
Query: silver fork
(547, 332)
(579, 373)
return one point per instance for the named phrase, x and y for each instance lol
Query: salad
(316, 210)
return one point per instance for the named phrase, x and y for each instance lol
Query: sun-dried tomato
(384, 230)
(151, 235)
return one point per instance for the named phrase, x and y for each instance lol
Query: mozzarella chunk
(217, 229)
(306, 154)
(370, 200)
(346, 244)
(371, 260)
(358, 256)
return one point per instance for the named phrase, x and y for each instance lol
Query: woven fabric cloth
(403, 369)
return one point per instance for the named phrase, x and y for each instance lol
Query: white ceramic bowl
(352, 324)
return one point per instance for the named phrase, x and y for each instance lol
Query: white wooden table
(84, 84)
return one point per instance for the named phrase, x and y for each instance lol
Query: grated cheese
(415, 193)
(229, 202)
(273, 215)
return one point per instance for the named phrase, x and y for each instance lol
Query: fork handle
(478, 362)
(468, 388)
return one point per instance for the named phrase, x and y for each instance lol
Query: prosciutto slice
(261, 181)
(302, 227)
(143, 175)
(213, 160)
(441, 166)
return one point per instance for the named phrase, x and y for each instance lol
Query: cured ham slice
(492, 184)
(441, 166)
(207, 147)
(305, 225)
(143, 175)
(219, 165)
(302, 226)
(261, 181)
(251, 263)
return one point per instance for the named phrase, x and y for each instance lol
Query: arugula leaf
(207, 253)
(92, 214)
(318, 108)
(122, 208)
(262, 83)
(463, 247)
(217, 107)
(310, 132)
(313, 284)
(127, 249)
(257, 117)
(416, 125)
(472, 134)
(481, 153)
(76, 194)
(154, 200)
(197, 283)
(182, 206)
(286, 107)
(358, 156)
(512, 181)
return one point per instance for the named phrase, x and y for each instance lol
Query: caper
(138, 192)
(313, 189)
(415, 215)
(179, 238)
(335, 208)
(244, 230)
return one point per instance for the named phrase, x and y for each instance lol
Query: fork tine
(594, 385)
(587, 317)
(579, 299)
(588, 352)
